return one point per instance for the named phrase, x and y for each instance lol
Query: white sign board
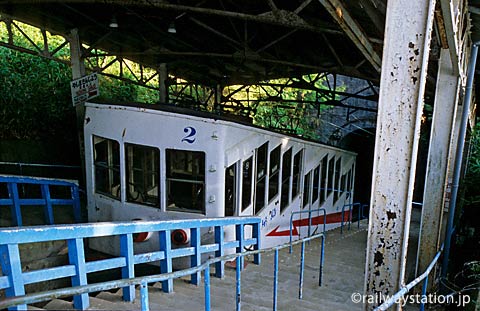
(84, 88)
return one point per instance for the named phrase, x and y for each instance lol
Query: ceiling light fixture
(113, 22)
(171, 28)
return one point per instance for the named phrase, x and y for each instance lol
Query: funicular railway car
(163, 162)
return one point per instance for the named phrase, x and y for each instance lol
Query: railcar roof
(202, 114)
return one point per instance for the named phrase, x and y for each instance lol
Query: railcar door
(231, 190)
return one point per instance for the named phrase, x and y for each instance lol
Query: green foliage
(472, 178)
(36, 101)
(282, 104)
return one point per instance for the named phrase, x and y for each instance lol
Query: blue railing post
(275, 280)
(48, 211)
(11, 267)
(309, 221)
(126, 251)
(256, 234)
(343, 216)
(291, 233)
(166, 262)
(239, 232)
(76, 256)
(16, 213)
(322, 258)
(302, 266)
(77, 213)
(238, 283)
(424, 293)
(144, 297)
(219, 266)
(207, 287)
(196, 258)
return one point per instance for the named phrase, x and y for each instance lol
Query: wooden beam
(353, 31)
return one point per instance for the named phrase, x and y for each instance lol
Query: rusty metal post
(446, 96)
(162, 81)
(404, 70)
(459, 156)
(78, 71)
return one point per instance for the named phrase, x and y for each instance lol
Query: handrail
(350, 206)
(309, 221)
(14, 279)
(360, 214)
(15, 201)
(424, 276)
(144, 280)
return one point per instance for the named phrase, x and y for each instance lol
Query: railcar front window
(274, 173)
(247, 183)
(106, 162)
(286, 173)
(261, 177)
(185, 181)
(297, 169)
(143, 167)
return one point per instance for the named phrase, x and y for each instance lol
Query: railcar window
(323, 180)
(185, 181)
(306, 189)
(331, 164)
(230, 178)
(297, 169)
(106, 161)
(247, 183)
(286, 173)
(143, 168)
(274, 173)
(261, 177)
(316, 180)
(350, 179)
(342, 184)
(336, 191)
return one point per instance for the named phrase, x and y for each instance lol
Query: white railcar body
(146, 163)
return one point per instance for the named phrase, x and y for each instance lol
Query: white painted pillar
(442, 126)
(78, 71)
(404, 69)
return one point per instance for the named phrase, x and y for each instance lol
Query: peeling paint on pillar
(398, 130)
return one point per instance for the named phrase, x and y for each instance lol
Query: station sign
(84, 88)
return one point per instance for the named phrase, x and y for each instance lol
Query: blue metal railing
(309, 221)
(15, 201)
(14, 280)
(424, 276)
(205, 267)
(350, 206)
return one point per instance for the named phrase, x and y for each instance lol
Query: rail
(424, 276)
(309, 222)
(205, 267)
(15, 200)
(121, 235)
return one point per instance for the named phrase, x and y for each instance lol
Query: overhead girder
(259, 61)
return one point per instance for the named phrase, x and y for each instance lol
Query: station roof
(225, 41)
